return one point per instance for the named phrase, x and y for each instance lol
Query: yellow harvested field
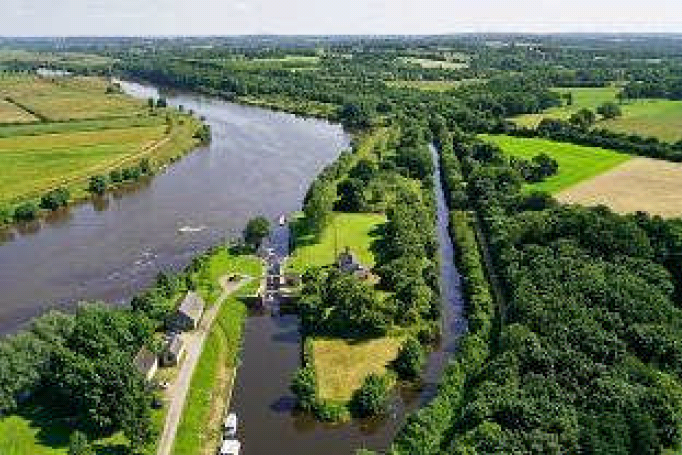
(62, 99)
(640, 184)
(9, 113)
(342, 365)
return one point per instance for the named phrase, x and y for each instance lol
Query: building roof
(144, 360)
(175, 345)
(192, 306)
(230, 446)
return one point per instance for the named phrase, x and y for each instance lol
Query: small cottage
(146, 362)
(173, 351)
(190, 311)
(348, 262)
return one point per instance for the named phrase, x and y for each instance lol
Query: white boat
(282, 220)
(230, 447)
(230, 425)
(190, 229)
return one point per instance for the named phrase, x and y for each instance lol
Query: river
(259, 162)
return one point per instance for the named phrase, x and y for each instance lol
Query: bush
(54, 199)
(256, 230)
(372, 398)
(303, 385)
(97, 185)
(27, 211)
(410, 360)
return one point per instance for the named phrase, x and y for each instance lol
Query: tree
(303, 385)
(569, 98)
(79, 444)
(97, 185)
(583, 119)
(609, 110)
(54, 199)
(351, 195)
(161, 103)
(410, 360)
(256, 230)
(151, 103)
(372, 398)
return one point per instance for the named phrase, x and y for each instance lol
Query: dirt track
(645, 184)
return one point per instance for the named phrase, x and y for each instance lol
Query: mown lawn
(647, 117)
(576, 163)
(342, 365)
(353, 230)
(433, 86)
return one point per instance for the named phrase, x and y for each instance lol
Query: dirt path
(194, 343)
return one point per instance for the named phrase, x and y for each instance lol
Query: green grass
(9, 113)
(342, 365)
(647, 117)
(354, 230)
(428, 63)
(223, 263)
(576, 163)
(213, 378)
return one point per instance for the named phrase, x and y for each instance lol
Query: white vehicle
(230, 447)
(230, 425)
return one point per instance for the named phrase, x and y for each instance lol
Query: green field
(342, 365)
(646, 117)
(429, 63)
(576, 162)
(78, 131)
(433, 86)
(353, 230)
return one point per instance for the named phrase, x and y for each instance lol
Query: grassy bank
(576, 163)
(213, 378)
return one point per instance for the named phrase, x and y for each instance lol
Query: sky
(323, 17)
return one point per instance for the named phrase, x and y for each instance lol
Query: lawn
(576, 163)
(647, 117)
(342, 365)
(353, 230)
(429, 63)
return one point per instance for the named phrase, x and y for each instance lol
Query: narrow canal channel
(271, 354)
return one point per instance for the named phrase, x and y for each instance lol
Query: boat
(230, 447)
(282, 220)
(230, 425)
(190, 229)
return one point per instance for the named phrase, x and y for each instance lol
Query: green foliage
(351, 194)
(256, 230)
(52, 200)
(303, 386)
(372, 398)
(79, 444)
(583, 119)
(97, 185)
(27, 211)
(609, 110)
(410, 360)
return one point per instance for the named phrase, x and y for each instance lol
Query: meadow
(342, 365)
(647, 117)
(433, 86)
(576, 163)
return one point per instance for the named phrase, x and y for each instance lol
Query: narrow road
(194, 343)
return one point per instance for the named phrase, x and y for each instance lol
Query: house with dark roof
(173, 351)
(146, 362)
(190, 311)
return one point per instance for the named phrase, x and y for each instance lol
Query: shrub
(410, 360)
(303, 385)
(97, 184)
(372, 398)
(54, 199)
(27, 211)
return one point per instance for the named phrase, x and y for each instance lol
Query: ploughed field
(59, 131)
(647, 117)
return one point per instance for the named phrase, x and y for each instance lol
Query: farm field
(428, 63)
(433, 86)
(576, 163)
(76, 130)
(647, 117)
(641, 184)
(62, 99)
(342, 365)
(353, 230)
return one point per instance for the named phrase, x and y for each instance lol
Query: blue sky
(234, 17)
